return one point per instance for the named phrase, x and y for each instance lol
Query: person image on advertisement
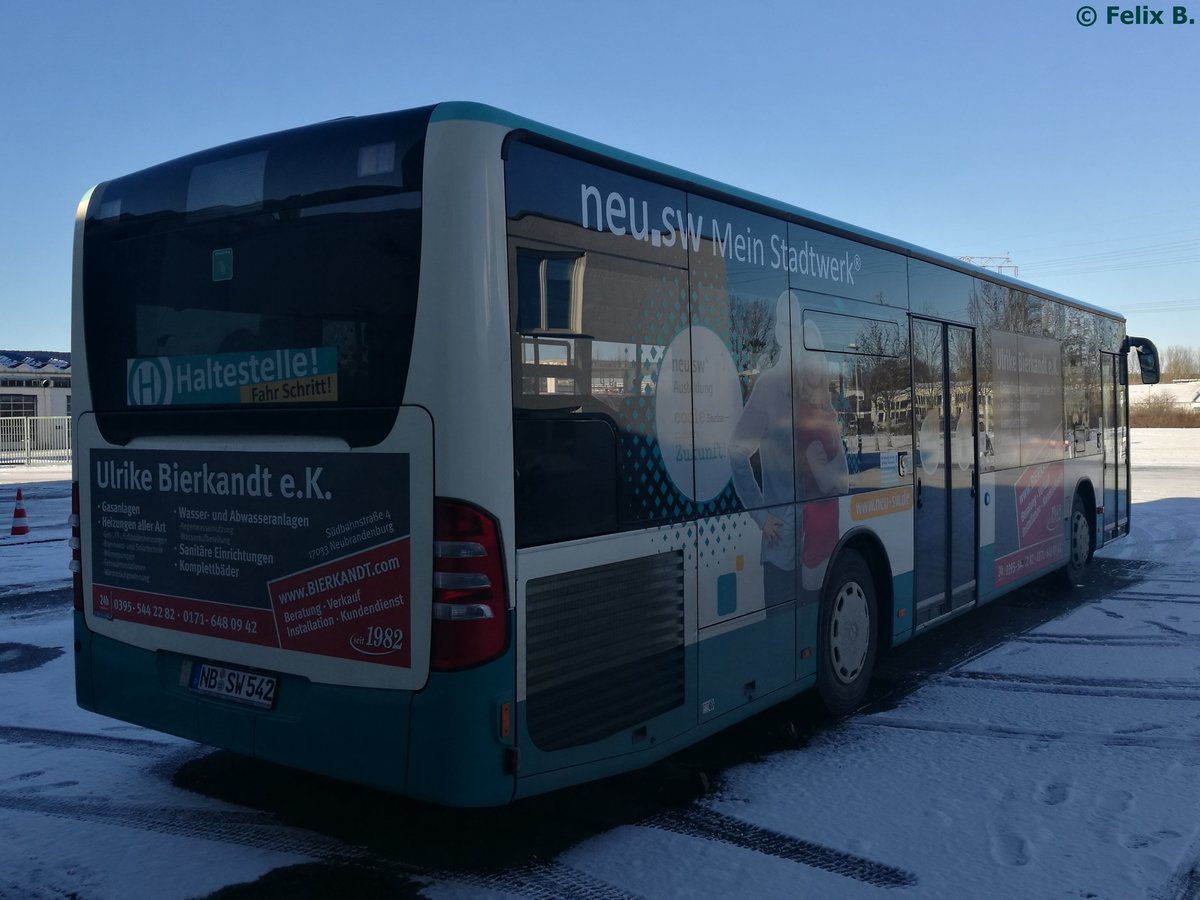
(765, 427)
(824, 472)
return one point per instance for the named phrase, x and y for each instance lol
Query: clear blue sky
(970, 128)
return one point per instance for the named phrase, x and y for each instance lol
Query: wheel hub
(849, 633)
(1079, 540)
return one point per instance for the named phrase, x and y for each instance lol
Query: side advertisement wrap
(1028, 399)
(1034, 507)
(1031, 502)
(698, 401)
(307, 552)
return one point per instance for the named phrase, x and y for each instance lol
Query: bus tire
(847, 634)
(1080, 550)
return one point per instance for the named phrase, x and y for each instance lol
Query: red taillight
(76, 558)
(470, 600)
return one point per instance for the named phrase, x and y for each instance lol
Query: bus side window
(566, 476)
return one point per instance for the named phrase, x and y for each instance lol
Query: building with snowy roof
(34, 383)
(1182, 394)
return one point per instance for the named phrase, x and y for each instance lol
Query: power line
(1171, 253)
(1002, 264)
(1161, 305)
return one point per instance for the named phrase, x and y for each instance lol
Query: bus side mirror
(1147, 355)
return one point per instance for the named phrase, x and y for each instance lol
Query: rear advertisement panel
(306, 552)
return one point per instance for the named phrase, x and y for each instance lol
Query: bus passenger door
(1116, 448)
(944, 423)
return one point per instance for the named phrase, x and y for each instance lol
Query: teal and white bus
(458, 456)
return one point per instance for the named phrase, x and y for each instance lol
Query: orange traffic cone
(20, 523)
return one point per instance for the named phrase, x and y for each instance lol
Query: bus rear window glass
(343, 285)
(378, 159)
(233, 183)
(276, 270)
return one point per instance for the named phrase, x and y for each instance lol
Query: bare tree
(1181, 363)
(751, 335)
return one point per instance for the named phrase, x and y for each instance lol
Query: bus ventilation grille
(604, 649)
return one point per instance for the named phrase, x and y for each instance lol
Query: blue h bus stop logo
(149, 382)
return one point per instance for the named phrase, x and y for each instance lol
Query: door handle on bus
(918, 493)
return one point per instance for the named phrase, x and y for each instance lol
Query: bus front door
(1116, 448)
(944, 420)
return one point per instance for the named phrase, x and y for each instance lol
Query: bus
(458, 456)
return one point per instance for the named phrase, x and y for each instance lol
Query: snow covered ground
(87, 810)
(1062, 764)
(43, 557)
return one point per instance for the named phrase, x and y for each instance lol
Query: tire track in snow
(261, 830)
(556, 881)
(1001, 731)
(1155, 597)
(1156, 689)
(712, 825)
(232, 826)
(552, 881)
(1173, 639)
(79, 740)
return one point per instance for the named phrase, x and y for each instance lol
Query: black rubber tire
(845, 657)
(1081, 548)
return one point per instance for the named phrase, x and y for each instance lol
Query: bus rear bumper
(354, 734)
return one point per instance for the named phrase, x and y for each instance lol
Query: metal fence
(35, 441)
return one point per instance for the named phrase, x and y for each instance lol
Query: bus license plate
(234, 684)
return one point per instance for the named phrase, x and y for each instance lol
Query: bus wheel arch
(851, 625)
(1087, 493)
(1081, 533)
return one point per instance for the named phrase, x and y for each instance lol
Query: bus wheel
(1081, 543)
(847, 634)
